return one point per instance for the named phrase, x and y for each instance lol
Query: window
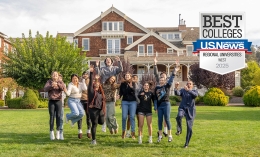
(5, 48)
(177, 36)
(121, 26)
(170, 36)
(169, 50)
(112, 26)
(141, 50)
(129, 39)
(164, 36)
(189, 50)
(149, 50)
(113, 46)
(180, 52)
(104, 26)
(115, 26)
(75, 43)
(85, 44)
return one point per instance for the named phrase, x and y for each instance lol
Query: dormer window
(177, 36)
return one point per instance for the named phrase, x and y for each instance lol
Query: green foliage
(176, 98)
(34, 59)
(14, 103)
(252, 97)
(256, 79)
(43, 104)
(248, 74)
(247, 88)
(29, 100)
(215, 97)
(198, 99)
(8, 95)
(238, 91)
(36, 93)
(2, 103)
(173, 102)
(118, 102)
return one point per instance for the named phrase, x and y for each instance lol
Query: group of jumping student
(95, 94)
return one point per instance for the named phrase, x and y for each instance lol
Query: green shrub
(252, 96)
(14, 103)
(29, 100)
(2, 103)
(36, 93)
(8, 95)
(176, 98)
(198, 99)
(238, 91)
(173, 102)
(215, 97)
(247, 88)
(43, 104)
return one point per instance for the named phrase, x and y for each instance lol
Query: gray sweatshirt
(108, 71)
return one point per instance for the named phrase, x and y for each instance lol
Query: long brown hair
(101, 91)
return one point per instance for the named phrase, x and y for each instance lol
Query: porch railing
(110, 51)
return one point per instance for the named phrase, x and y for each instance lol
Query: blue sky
(67, 16)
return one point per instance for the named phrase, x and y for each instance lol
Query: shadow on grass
(104, 140)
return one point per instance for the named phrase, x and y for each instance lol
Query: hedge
(238, 91)
(14, 103)
(29, 100)
(215, 97)
(252, 97)
(2, 103)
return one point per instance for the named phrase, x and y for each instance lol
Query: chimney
(182, 25)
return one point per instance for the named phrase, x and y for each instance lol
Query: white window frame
(170, 50)
(165, 36)
(6, 47)
(84, 49)
(187, 52)
(113, 28)
(180, 52)
(76, 44)
(141, 54)
(170, 38)
(113, 50)
(150, 54)
(178, 35)
(128, 40)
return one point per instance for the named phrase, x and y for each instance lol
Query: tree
(208, 79)
(33, 60)
(247, 74)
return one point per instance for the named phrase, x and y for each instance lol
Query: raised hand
(186, 88)
(177, 67)
(117, 58)
(97, 77)
(155, 60)
(97, 63)
(91, 68)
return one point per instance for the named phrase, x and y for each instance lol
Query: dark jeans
(84, 104)
(94, 115)
(55, 106)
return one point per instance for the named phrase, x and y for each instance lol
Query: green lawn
(217, 131)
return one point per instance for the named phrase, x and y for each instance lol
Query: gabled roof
(112, 9)
(151, 33)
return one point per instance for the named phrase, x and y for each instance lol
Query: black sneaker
(178, 133)
(165, 134)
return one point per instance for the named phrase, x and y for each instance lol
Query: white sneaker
(159, 139)
(169, 138)
(104, 127)
(94, 142)
(58, 135)
(140, 140)
(150, 140)
(128, 134)
(52, 137)
(61, 135)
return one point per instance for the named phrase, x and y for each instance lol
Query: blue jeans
(164, 109)
(131, 107)
(76, 108)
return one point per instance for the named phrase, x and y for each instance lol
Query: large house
(115, 34)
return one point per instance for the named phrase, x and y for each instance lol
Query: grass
(217, 131)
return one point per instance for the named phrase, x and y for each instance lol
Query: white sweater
(74, 91)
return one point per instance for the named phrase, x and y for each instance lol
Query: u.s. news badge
(222, 45)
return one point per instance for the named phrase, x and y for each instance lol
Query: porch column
(188, 70)
(148, 67)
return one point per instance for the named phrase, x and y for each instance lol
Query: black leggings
(84, 104)
(55, 107)
(94, 114)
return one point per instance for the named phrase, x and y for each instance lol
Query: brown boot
(123, 134)
(133, 135)
(111, 132)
